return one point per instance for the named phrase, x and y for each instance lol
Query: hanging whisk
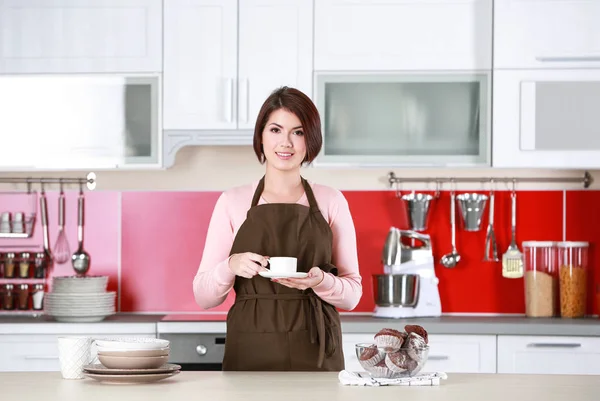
(62, 252)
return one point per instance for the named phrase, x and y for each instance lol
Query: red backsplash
(163, 236)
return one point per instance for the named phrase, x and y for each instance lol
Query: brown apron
(272, 327)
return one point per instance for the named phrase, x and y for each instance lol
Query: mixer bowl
(396, 289)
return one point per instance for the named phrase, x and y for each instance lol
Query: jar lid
(539, 244)
(573, 244)
(25, 254)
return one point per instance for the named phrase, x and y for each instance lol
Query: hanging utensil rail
(586, 180)
(89, 181)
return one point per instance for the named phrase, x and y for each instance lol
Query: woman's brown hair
(295, 102)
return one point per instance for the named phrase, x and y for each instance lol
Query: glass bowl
(379, 363)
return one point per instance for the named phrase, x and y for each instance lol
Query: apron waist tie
(319, 317)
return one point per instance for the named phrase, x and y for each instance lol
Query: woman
(287, 323)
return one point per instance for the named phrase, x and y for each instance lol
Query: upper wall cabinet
(546, 34)
(212, 81)
(403, 35)
(80, 36)
(546, 118)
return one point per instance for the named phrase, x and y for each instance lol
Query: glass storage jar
(541, 278)
(573, 277)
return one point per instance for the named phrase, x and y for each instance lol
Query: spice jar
(541, 278)
(573, 265)
(8, 297)
(23, 297)
(41, 264)
(24, 264)
(38, 297)
(1, 265)
(10, 265)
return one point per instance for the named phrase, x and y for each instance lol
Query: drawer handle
(201, 350)
(550, 59)
(438, 358)
(40, 357)
(553, 345)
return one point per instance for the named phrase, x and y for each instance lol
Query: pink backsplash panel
(101, 229)
(163, 236)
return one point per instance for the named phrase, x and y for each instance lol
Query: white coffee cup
(283, 265)
(74, 353)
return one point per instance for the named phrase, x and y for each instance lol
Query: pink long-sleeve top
(214, 280)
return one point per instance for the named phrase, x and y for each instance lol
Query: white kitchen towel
(348, 378)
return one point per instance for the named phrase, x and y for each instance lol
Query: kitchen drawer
(447, 353)
(461, 353)
(36, 352)
(549, 355)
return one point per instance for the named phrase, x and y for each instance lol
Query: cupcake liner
(381, 372)
(397, 368)
(388, 342)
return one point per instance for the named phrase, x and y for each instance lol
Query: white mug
(283, 265)
(74, 353)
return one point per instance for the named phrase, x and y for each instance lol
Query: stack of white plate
(80, 299)
(132, 360)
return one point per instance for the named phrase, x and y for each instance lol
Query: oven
(196, 351)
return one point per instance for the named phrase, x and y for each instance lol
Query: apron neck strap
(310, 196)
(259, 190)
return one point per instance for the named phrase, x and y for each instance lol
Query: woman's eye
(275, 130)
(299, 133)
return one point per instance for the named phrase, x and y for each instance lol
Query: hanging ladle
(451, 259)
(80, 259)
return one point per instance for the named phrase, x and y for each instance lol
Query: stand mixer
(409, 286)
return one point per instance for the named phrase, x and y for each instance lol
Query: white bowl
(132, 343)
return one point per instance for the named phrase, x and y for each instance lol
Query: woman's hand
(315, 276)
(247, 264)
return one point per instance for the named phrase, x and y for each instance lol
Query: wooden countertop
(290, 386)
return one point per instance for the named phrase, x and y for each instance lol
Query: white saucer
(279, 275)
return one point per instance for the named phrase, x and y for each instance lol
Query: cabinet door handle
(566, 59)
(438, 358)
(245, 97)
(228, 100)
(553, 345)
(40, 357)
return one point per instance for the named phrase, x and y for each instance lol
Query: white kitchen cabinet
(79, 121)
(403, 35)
(80, 36)
(461, 353)
(549, 355)
(546, 118)
(540, 34)
(447, 353)
(200, 67)
(39, 352)
(215, 81)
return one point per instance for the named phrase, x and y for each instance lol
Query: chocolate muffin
(414, 328)
(414, 344)
(371, 356)
(397, 361)
(390, 339)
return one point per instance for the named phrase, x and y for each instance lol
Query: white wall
(215, 168)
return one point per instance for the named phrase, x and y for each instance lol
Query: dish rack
(25, 269)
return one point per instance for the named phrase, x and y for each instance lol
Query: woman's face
(283, 141)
